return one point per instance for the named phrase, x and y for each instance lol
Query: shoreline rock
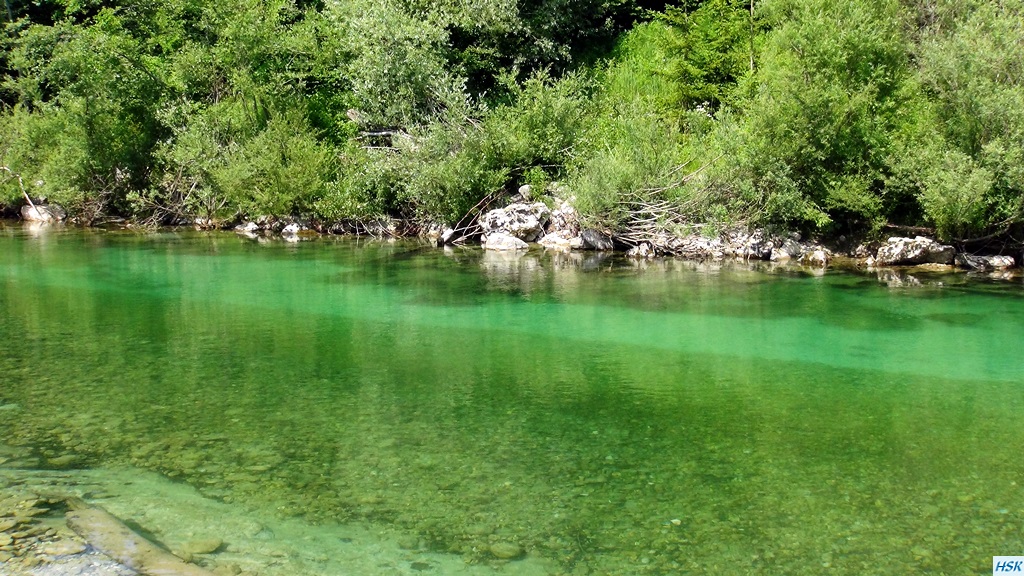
(898, 251)
(43, 213)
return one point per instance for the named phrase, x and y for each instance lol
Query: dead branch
(21, 184)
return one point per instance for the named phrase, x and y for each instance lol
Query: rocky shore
(554, 224)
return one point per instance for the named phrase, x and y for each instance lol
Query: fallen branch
(21, 184)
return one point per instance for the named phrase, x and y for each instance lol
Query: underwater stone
(202, 546)
(63, 548)
(506, 550)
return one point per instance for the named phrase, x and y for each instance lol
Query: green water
(609, 418)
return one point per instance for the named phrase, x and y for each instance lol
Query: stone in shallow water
(506, 550)
(63, 548)
(202, 546)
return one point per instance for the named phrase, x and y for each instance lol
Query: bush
(454, 163)
(819, 116)
(964, 157)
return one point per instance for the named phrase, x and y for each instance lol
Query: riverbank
(522, 228)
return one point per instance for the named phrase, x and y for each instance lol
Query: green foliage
(367, 186)
(455, 163)
(392, 60)
(713, 47)
(964, 158)
(630, 147)
(819, 115)
(827, 115)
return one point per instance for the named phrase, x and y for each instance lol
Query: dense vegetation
(827, 116)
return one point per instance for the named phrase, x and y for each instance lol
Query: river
(416, 409)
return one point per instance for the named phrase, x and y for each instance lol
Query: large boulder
(523, 221)
(43, 213)
(898, 251)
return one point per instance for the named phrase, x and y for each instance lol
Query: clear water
(606, 418)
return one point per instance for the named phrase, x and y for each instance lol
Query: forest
(826, 117)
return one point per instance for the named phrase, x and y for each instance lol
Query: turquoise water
(608, 418)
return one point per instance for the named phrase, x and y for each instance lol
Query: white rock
(817, 257)
(919, 250)
(501, 241)
(555, 241)
(524, 221)
(43, 213)
(641, 251)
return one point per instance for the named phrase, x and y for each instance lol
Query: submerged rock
(109, 535)
(506, 550)
(202, 546)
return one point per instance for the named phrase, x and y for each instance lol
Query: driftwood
(105, 532)
(468, 227)
(649, 216)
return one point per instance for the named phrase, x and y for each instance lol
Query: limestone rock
(523, 221)
(756, 244)
(818, 256)
(63, 548)
(501, 241)
(43, 213)
(984, 263)
(911, 251)
(564, 219)
(641, 251)
(556, 241)
(109, 535)
(788, 249)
